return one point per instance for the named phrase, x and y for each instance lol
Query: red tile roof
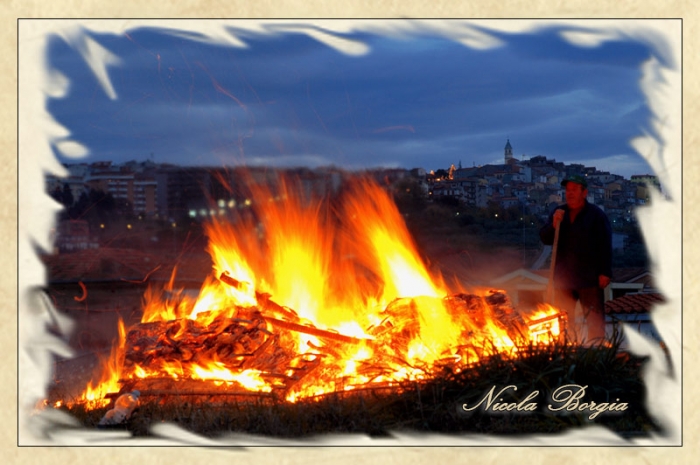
(633, 303)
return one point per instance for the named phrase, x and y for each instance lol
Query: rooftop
(634, 303)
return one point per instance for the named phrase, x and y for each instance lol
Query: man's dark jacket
(584, 251)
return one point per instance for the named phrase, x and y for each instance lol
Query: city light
(620, 196)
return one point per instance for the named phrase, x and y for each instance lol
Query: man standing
(583, 258)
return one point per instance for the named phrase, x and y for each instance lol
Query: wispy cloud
(419, 99)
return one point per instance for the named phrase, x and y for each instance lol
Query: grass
(432, 406)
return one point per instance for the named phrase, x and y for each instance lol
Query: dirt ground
(95, 331)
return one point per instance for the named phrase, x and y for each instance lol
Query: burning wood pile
(284, 317)
(254, 352)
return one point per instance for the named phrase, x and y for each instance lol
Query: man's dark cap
(577, 179)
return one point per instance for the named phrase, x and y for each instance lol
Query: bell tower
(509, 153)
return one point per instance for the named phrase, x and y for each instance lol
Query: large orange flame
(344, 264)
(94, 396)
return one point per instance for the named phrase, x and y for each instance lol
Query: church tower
(509, 153)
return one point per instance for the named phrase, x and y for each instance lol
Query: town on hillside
(132, 209)
(534, 186)
(162, 191)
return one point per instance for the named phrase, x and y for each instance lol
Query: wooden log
(263, 299)
(229, 345)
(313, 331)
(238, 343)
(259, 351)
(213, 392)
(245, 342)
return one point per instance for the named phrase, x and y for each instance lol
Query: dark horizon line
(330, 166)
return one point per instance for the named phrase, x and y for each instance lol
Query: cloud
(288, 94)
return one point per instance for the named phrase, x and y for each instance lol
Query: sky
(358, 98)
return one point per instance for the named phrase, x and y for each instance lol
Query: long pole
(550, 284)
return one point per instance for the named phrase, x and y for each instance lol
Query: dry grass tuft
(433, 406)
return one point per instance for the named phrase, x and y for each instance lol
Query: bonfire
(308, 296)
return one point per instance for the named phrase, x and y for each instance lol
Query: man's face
(575, 195)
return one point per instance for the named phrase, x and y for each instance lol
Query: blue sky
(415, 100)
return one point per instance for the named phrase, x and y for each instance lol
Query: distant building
(611, 188)
(73, 235)
(509, 202)
(509, 153)
(185, 190)
(646, 179)
(74, 183)
(602, 177)
(120, 184)
(145, 195)
(418, 173)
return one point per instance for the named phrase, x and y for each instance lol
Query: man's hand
(603, 281)
(556, 219)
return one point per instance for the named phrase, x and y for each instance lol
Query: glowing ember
(544, 324)
(309, 296)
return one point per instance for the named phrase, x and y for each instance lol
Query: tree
(441, 173)
(635, 251)
(67, 196)
(95, 206)
(448, 200)
(409, 195)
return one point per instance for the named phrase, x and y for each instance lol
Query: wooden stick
(262, 298)
(312, 331)
(173, 392)
(550, 284)
(543, 320)
(270, 304)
